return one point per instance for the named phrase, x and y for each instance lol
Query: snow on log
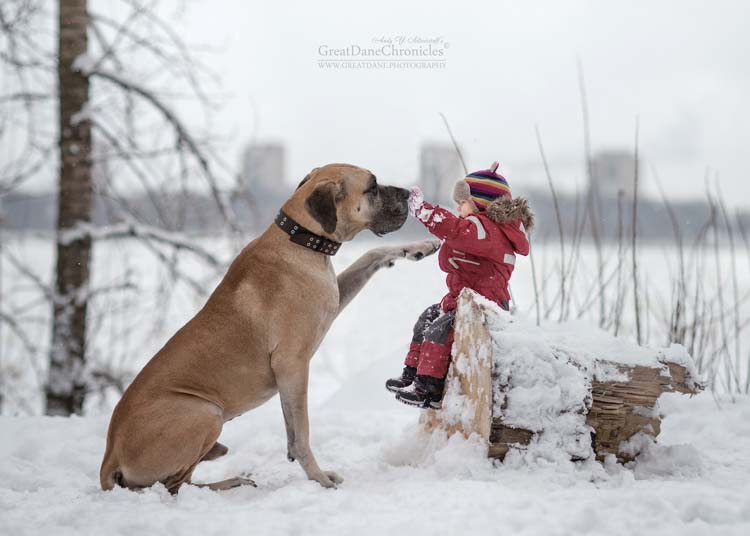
(559, 390)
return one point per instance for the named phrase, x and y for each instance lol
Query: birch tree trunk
(65, 388)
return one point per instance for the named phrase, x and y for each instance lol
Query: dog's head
(344, 200)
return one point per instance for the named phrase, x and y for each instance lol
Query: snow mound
(542, 378)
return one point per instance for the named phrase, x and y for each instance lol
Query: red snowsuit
(478, 253)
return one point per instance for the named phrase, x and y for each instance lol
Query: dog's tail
(110, 473)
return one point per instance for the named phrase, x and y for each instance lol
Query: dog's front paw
(334, 476)
(419, 250)
(328, 479)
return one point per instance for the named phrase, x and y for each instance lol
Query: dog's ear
(307, 178)
(321, 204)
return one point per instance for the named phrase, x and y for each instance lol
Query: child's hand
(416, 200)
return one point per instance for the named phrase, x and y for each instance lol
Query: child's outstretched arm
(447, 226)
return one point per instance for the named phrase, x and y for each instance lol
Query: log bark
(620, 410)
(65, 389)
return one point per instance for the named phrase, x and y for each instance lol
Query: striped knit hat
(484, 187)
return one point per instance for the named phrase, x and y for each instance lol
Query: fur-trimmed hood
(504, 209)
(501, 210)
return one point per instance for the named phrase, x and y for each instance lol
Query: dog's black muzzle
(392, 210)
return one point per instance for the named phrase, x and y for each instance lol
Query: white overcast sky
(682, 67)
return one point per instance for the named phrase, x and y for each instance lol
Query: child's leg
(425, 320)
(435, 354)
(427, 317)
(427, 389)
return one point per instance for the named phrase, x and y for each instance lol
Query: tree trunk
(65, 384)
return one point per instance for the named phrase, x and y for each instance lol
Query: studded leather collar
(305, 237)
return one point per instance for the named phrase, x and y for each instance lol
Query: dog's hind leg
(180, 432)
(229, 483)
(217, 451)
(174, 482)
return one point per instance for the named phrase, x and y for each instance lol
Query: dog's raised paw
(419, 250)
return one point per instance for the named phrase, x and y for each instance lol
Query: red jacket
(479, 250)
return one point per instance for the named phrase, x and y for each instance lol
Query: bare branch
(183, 137)
(138, 230)
(455, 144)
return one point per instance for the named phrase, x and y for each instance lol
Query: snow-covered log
(467, 406)
(559, 389)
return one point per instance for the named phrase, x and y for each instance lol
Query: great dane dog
(255, 335)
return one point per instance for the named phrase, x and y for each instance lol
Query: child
(478, 252)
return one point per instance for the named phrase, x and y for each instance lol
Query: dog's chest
(320, 289)
(319, 297)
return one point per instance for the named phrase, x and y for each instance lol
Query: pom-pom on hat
(482, 187)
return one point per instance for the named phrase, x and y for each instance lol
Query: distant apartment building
(263, 173)
(439, 169)
(613, 172)
(263, 169)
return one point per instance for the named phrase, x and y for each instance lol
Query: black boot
(426, 392)
(406, 379)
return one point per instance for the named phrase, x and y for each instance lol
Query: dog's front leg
(291, 371)
(286, 410)
(356, 276)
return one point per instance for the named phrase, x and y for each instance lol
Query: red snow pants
(430, 349)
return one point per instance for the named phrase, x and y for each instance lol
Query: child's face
(465, 209)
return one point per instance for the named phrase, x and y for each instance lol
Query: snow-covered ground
(696, 482)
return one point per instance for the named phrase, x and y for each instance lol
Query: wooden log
(467, 404)
(618, 409)
(503, 438)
